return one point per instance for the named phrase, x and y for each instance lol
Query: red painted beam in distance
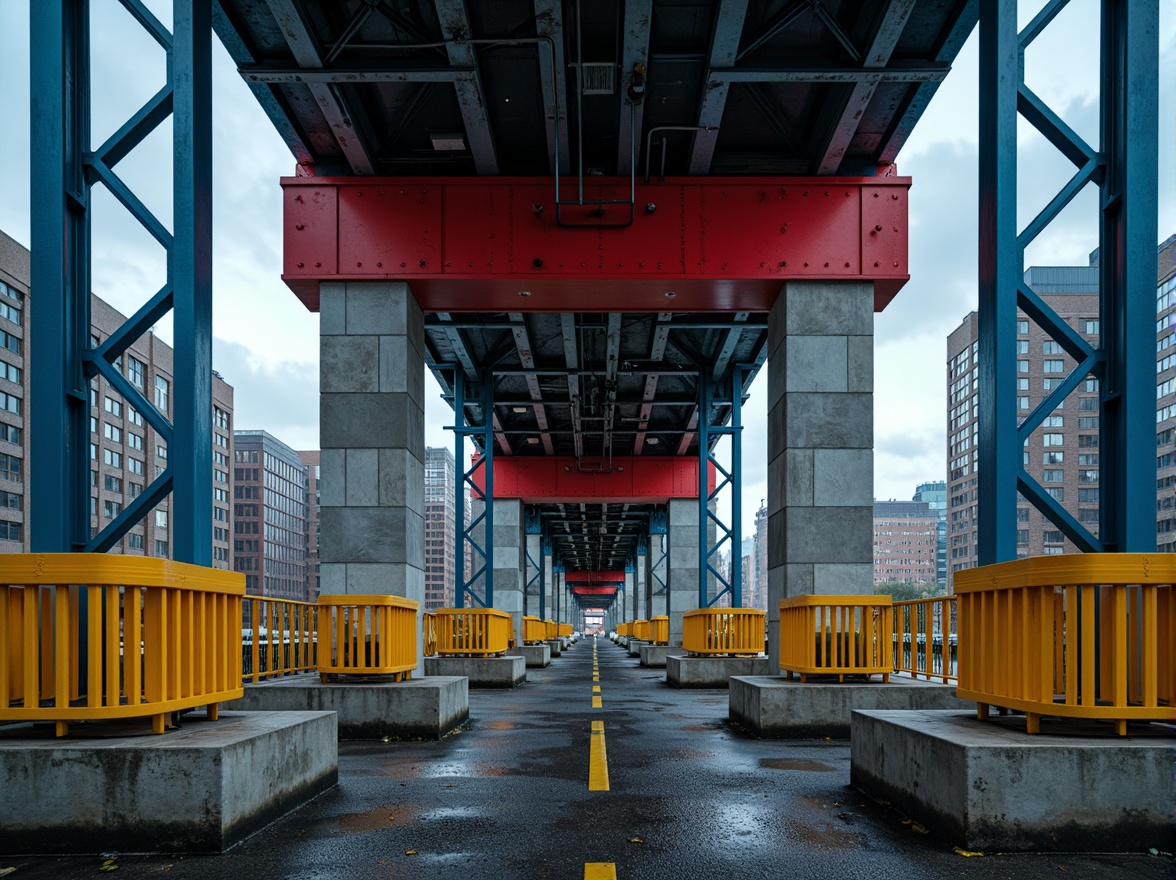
(594, 591)
(646, 479)
(588, 578)
(718, 244)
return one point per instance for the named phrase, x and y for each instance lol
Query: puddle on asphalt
(386, 816)
(794, 764)
(499, 725)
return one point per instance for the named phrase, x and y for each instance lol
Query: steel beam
(549, 25)
(723, 49)
(471, 97)
(635, 31)
(634, 480)
(527, 359)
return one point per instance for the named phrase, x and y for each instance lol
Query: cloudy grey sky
(266, 343)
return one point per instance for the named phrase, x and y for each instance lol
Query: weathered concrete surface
(775, 707)
(711, 672)
(536, 656)
(655, 655)
(201, 788)
(990, 786)
(492, 672)
(556, 646)
(634, 647)
(427, 708)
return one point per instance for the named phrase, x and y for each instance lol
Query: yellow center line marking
(600, 871)
(597, 759)
(596, 678)
(595, 688)
(596, 704)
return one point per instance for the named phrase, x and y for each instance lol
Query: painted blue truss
(466, 583)
(731, 535)
(1124, 170)
(65, 168)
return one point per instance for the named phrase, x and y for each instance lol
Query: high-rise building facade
(1063, 453)
(311, 458)
(126, 453)
(935, 495)
(906, 543)
(761, 556)
(269, 500)
(440, 528)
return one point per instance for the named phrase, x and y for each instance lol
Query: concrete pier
(711, 672)
(424, 708)
(634, 647)
(556, 646)
(655, 655)
(201, 788)
(536, 656)
(987, 785)
(483, 672)
(776, 707)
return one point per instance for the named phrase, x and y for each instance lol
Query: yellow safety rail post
(565, 631)
(659, 630)
(836, 635)
(429, 633)
(282, 640)
(1079, 636)
(368, 635)
(534, 630)
(641, 630)
(159, 637)
(471, 632)
(925, 642)
(733, 631)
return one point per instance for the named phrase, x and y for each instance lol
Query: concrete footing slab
(711, 672)
(483, 672)
(634, 647)
(655, 655)
(987, 785)
(201, 788)
(556, 646)
(775, 707)
(536, 656)
(421, 708)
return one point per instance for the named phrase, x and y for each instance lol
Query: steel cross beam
(657, 351)
(1124, 169)
(724, 47)
(549, 24)
(63, 361)
(527, 359)
(634, 51)
(471, 97)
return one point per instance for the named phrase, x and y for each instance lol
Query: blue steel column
(733, 535)
(1130, 83)
(1000, 273)
(60, 400)
(463, 534)
(190, 258)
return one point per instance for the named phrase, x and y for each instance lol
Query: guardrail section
(836, 635)
(565, 631)
(86, 636)
(925, 643)
(641, 630)
(550, 630)
(716, 631)
(470, 632)
(369, 635)
(625, 629)
(282, 638)
(659, 630)
(534, 630)
(1079, 636)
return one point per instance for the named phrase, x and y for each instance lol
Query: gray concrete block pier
(201, 788)
(482, 672)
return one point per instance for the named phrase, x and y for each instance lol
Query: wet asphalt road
(508, 797)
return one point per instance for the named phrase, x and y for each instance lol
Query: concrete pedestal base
(634, 647)
(771, 707)
(201, 788)
(711, 672)
(556, 646)
(655, 655)
(427, 708)
(985, 785)
(566, 642)
(536, 656)
(486, 672)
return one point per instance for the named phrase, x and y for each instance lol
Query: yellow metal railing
(565, 631)
(625, 629)
(925, 642)
(836, 635)
(368, 635)
(158, 637)
(282, 638)
(723, 631)
(534, 630)
(659, 630)
(550, 629)
(470, 631)
(641, 630)
(1083, 635)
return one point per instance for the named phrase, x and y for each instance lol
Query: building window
(112, 406)
(135, 371)
(1022, 327)
(135, 542)
(1052, 422)
(161, 519)
(1022, 366)
(111, 509)
(111, 484)
(1053, 475)
(112, 458)
(7, 340)
(161, 548)
(112, 433)
(1053, 366)
(135, 441)
(161, 393)
(10, 433)
(1088, 476)
(11, 373)
(10, 402)
(135, 465)
(1057, 493)
(1088, 423)
(1090, 328)
(10, 531)
(1051, 347)
(1053, 457)
(1051, 439)
(134, 416)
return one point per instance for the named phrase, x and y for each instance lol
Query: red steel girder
(559, 479)
(603, 578)
(594, 591)
(485, 245)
